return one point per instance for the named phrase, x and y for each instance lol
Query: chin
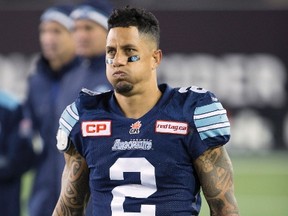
(123, 87)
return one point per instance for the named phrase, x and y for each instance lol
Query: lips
(119, 74)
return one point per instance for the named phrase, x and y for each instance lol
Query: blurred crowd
(72, 40)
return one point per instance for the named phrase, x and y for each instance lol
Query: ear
(157, 57)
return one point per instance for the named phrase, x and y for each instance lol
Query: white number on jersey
(193, 88)
(143, 190)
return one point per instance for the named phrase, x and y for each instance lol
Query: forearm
(62, 209)
(75, 188)
(216, 176)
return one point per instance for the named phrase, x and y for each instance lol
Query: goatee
(123, 87)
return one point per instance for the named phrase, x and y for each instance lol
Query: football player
(143, 148)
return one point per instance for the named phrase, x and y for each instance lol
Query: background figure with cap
(52, 85)
(59, 76)
(16, 153)
(90, 31)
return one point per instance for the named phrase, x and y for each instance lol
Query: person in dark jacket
(90, 32)
(16, 153)
(59, 77)
(49, 88)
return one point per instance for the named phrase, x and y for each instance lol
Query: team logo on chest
(135, 128)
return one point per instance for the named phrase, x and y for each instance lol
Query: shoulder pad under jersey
(209, 116)
(89, 92)
(67, 121)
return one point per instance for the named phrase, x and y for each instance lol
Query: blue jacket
(16, 154)
(48, 96)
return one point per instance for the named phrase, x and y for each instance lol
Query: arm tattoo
(215, 173)
(75, 186)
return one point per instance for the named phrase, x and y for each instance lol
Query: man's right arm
(75, 185)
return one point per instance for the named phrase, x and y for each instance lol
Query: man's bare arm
(215, 173)
(75, 186)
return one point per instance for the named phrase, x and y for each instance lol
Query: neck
(138, 105)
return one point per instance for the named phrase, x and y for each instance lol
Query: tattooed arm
(75, 186)
(215, 173)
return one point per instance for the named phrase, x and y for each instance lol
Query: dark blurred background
(237, 49)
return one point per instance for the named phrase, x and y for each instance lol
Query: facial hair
(123, 87)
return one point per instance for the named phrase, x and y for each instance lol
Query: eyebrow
(122, 47)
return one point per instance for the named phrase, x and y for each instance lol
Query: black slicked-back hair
(145, 21)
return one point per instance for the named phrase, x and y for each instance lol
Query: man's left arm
(215, 173)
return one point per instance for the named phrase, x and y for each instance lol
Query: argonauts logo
(134, 144)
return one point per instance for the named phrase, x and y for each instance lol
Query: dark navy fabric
(16, 154)
(49, 93)
(146, 164)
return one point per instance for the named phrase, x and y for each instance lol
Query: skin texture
(56, 43)
(90, 38)
(215, 173)
(75, 188)
(133, 82)
(139, 77)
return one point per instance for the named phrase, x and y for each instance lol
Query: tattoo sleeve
(75, 186)
(215, 173)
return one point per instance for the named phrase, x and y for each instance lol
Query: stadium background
(238, 50)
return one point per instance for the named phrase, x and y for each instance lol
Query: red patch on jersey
(96, 128)
(171, 127)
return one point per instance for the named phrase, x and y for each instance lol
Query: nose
(119, 60)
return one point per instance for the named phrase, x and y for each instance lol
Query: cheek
(65, 39)
(147, 67)
(85, 38)
(98, 38)
(47, 38)
(81, 36)
(148, 61)
(109, 72)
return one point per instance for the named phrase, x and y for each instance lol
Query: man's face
(128, 77)
(55, 40)
(90, 38)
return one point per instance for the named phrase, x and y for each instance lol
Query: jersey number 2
(143, 190)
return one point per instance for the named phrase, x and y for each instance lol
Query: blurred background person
(90, 31)
(16, 153)
(58, 78)
(50, 88)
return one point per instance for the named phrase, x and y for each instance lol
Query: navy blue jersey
(145, 166)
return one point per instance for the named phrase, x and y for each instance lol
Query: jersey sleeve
(67, 121)
(210, 122)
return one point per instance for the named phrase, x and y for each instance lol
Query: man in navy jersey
(143, 148)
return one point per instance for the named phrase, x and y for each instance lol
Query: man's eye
(130, 50)
(110, 52)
